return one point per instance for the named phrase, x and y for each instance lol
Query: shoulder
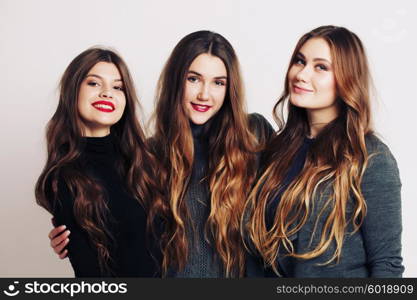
(375, 145)
(260, 126)
(257, 119)
(378, 151)
(382, 166)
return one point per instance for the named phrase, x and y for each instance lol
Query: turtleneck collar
(200, 138)
(200, 131)
(197, 130)
(99, 145)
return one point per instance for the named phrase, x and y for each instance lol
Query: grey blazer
(374, 250)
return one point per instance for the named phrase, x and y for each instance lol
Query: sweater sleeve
(382, 225)
(82, 255)
(261, 128)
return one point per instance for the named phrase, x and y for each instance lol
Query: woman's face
(205, 88)
(311, 79)
(101, 99)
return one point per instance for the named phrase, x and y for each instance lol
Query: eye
(220, 83)
(299, 61)
(119, 88)
(192, 79)
(92, 83)
(321, 67)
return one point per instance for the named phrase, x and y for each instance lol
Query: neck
(318, 119)
(96, 132)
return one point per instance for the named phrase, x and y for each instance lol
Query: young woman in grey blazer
(327, 203)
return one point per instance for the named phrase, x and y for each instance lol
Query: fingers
(60, 247)
(63, 254)
(57, 230)
(59, 239)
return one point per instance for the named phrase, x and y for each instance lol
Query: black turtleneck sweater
(127, 222)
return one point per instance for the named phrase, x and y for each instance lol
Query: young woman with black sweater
(98, 178)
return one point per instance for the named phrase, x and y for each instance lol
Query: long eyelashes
(300, 61)
(321, 67)
(194, 79)
(94, 83)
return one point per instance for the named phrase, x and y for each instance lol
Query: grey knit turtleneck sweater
(203, 261)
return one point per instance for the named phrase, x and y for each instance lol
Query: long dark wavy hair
(231, 166)
(65, 144)
(337, 158)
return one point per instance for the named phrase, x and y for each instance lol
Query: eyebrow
(99, 77)
(314, 59)
(198, 74)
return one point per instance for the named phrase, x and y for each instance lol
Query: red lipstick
(200, 107)
(104, 106)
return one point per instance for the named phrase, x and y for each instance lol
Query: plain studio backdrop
(38, 39)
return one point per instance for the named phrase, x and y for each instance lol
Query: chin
(199, 120)
(299, 102)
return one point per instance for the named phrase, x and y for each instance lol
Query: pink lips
(200, 107)
(104, 106)
(299, 90)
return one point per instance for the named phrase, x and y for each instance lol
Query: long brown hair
(65, 145)
(337, 158)
(231, 161)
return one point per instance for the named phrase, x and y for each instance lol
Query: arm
(82, 255)
(261, 128)
(382, 225)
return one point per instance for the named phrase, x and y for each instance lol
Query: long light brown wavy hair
(231, 165)
(338, 158)
(65, 144)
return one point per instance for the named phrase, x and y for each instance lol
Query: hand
(59, 240)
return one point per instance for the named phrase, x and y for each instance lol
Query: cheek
(121, 106)
(82, 103)
(190, 91)
(219, 97)
(327, 84)
(328, 89)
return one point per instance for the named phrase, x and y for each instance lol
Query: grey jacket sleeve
(382, 227)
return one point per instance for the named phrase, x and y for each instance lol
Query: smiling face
(205, 88)
(101, 99)
(311, 80)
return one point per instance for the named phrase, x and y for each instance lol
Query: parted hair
(338, 157)
(230, 167)
(65, 144)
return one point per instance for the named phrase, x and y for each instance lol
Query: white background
(38, 39)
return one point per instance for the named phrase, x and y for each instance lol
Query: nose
(204, 92)
(303, 75)
(106, 93)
